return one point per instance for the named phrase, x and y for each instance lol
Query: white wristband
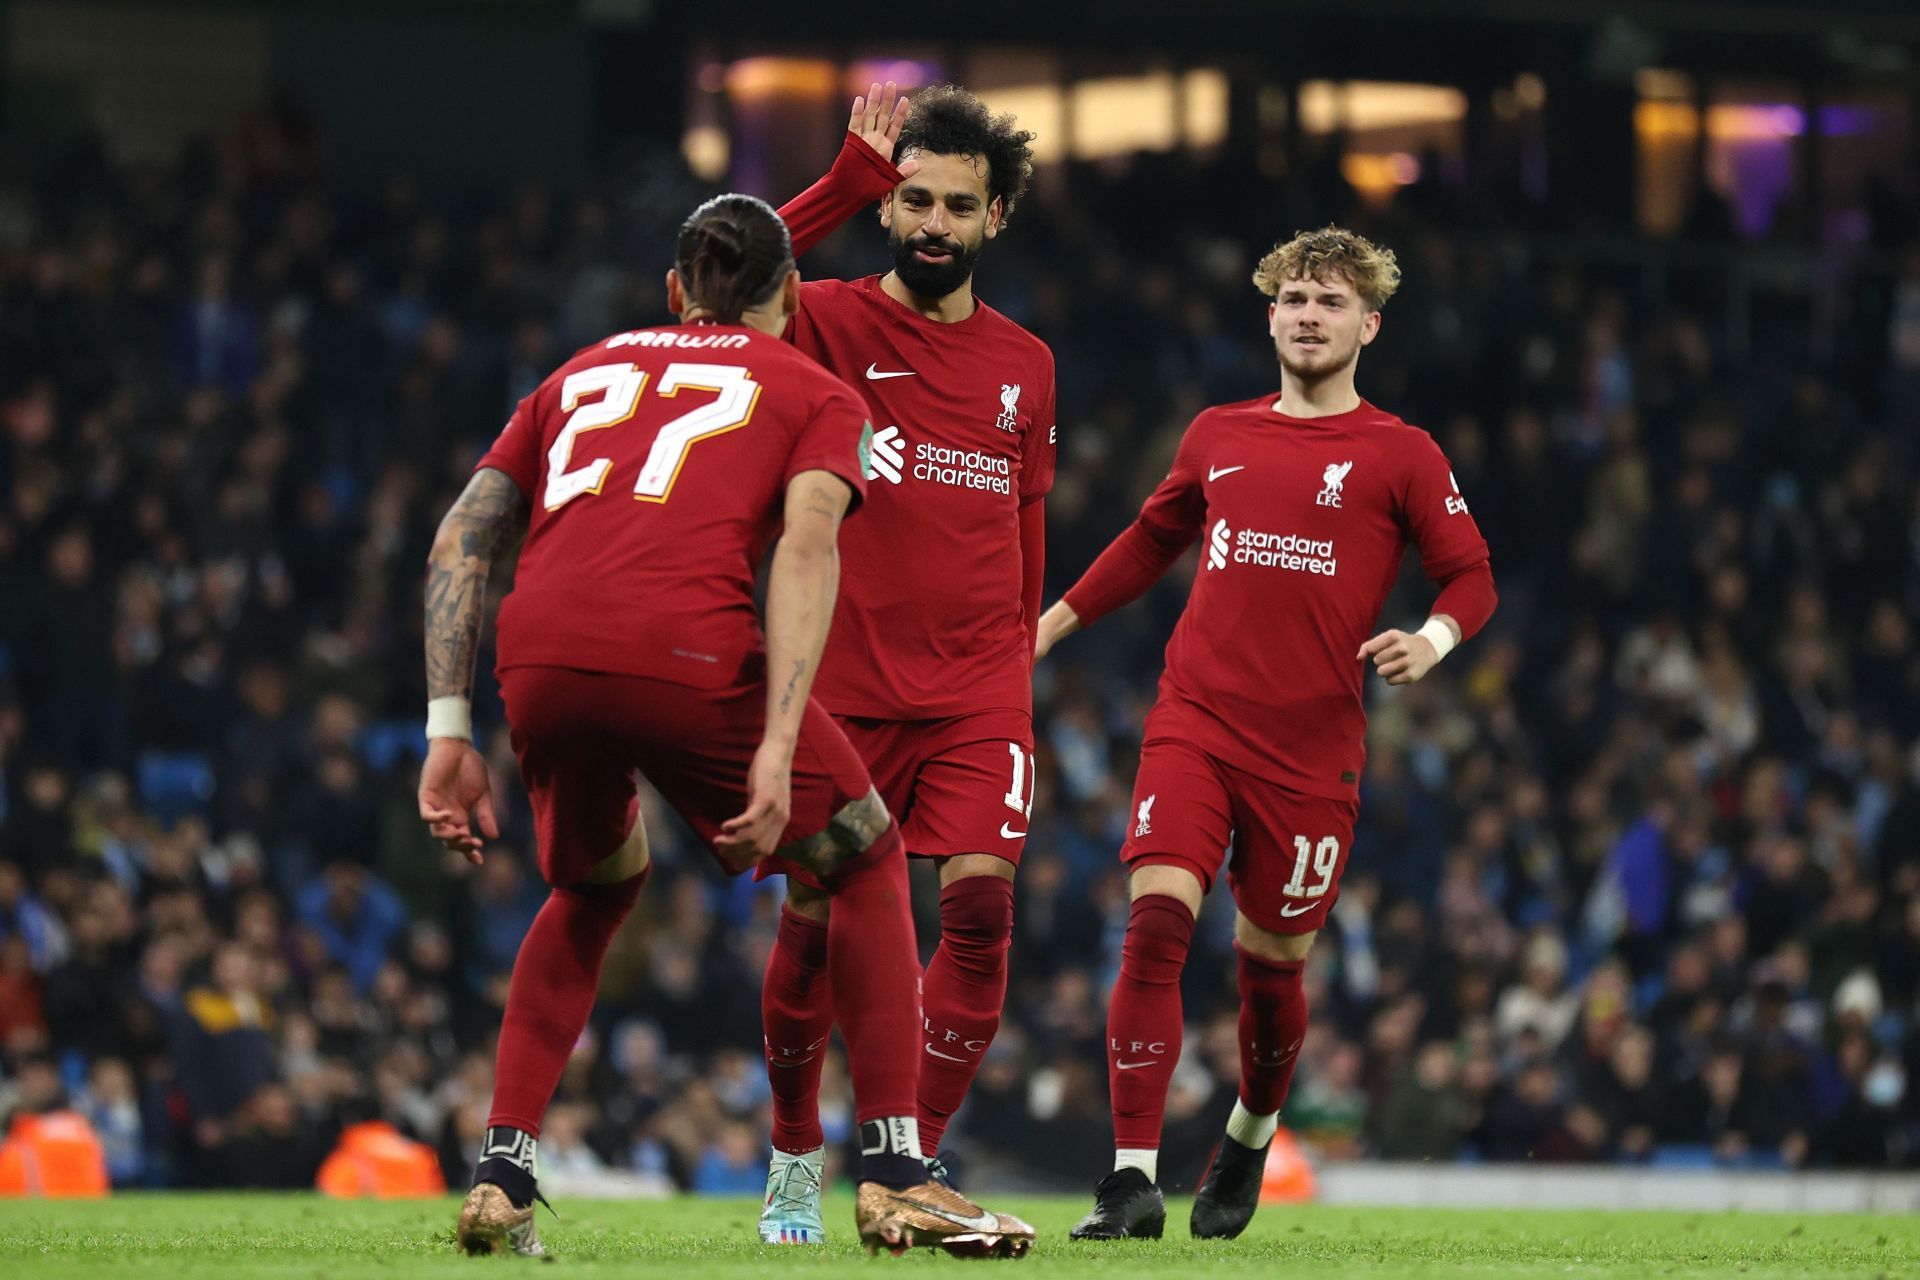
(450, 717)
(1440, 636)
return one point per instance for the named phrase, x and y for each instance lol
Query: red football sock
(874, 972)
(796, 1008)
(555, 978)
(965, 986)
(1273, 1023)
(1143, 1020)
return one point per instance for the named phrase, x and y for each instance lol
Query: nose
(936, 223)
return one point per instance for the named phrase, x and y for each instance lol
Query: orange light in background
(1039, 107)
(764, 77)
(904, 72)
(1376, 177)
(1663, 84)
(1726, 122)
(1203, 102)
(707, 151)
(1360, 105)
(1119, 115)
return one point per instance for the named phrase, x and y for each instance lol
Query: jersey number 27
(732, 406)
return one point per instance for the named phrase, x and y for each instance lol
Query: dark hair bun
(733, 254)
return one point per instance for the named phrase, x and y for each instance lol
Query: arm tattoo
(793, 681)
(849, 833)
(486, 521)
(821, 503)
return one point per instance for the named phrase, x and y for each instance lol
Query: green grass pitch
(306, 1237)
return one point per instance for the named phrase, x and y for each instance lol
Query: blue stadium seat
(383, 743)
(1675, 1155)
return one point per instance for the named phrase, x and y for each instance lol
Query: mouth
(1309, 340)
(932, 253)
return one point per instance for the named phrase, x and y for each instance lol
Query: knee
(978, 911)
(1159, 934)
(1279, 948)
(616, 897)
(1163, 880)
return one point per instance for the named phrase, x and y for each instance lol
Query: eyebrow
(952, 197)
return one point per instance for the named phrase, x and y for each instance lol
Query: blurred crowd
(1638, 870)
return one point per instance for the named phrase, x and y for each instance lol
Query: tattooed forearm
(849, 833)
(484, 523)
(793, 685)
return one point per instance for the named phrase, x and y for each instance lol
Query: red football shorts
(581, 736)
(959, 785)
(1288, 849)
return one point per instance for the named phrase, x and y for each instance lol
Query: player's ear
(996, 214)
(790, 293)
(676, 293)
(886, 211)
(1369, 328)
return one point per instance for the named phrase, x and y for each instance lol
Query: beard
(933, 279)
(1328, 359)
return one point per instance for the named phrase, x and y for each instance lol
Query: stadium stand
(1637, 881)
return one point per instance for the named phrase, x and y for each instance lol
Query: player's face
(1319, 326)
(937, 222)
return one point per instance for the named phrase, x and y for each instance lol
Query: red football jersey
(929, 621)
(1305, 522)
(656, 463)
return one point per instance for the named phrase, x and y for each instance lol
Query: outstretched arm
(801, 587)
(862, 172)
(1134, 561)
(486, 522)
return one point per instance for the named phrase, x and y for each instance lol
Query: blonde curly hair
(1372, 270)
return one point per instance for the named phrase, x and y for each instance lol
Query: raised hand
(877, 118)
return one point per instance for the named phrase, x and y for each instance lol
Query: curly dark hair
(948, 121)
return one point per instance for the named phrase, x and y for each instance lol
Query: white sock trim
(898, 1135)
(1250, 1130)
(1145, 1160)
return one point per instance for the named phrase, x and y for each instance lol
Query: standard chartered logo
(961, 468)
(1267, 550)
(887, 458)
(1217, 546)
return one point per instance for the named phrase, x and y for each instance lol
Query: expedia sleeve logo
(864, 450)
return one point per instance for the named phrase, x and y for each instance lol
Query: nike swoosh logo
(1212, 472)
(979, 1222)
(1291, 911)
(949, 1057)
(1129, 1066)
(1008, 833)
(874, 374)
